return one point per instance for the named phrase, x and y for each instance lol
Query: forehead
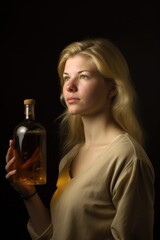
(80, 62)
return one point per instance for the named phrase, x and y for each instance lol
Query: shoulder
(126, 160)
(127, 146)
(126, 151)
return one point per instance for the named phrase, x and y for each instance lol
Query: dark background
(31, 38)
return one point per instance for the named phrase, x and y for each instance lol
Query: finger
(9, 154)
(10, 164)
(10, 174)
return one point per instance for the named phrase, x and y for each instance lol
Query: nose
(71, 86)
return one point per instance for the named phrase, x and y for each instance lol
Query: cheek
(87, 92)
(94, 94)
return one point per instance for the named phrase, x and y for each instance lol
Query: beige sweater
(114, 199)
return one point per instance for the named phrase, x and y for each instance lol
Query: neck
(100, 131)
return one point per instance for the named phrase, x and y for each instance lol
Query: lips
(72, 100)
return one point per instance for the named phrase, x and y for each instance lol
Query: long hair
(111, 64)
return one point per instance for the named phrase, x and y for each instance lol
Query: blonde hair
(111, 64)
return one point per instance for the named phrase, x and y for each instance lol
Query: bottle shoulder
(29, 125)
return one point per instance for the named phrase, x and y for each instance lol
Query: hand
(22, 189)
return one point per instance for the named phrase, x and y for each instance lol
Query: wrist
(28, 196)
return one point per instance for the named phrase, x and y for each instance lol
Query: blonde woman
(105, 185)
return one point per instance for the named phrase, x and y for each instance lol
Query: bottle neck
(29, 112)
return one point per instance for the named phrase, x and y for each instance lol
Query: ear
(112, 90)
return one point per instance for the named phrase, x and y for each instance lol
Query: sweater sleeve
(133, 198)
(46, 235)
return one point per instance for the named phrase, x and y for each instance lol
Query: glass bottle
(30, 148)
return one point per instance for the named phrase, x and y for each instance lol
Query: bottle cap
(29, 101)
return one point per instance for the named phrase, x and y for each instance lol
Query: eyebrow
(78, 72)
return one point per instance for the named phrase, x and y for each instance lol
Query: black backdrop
(31, 38)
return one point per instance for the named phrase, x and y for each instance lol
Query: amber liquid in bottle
(30, 148)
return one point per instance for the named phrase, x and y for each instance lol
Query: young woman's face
(85, 90)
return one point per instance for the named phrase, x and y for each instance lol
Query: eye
(66, 78)
(83, 76)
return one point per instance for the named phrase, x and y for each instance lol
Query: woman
(105, 187)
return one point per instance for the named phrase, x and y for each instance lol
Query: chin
(75, 111)
(72, 112)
